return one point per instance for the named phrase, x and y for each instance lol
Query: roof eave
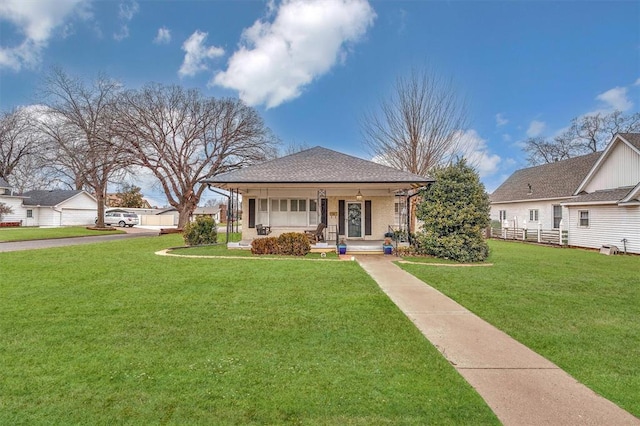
(527, 200)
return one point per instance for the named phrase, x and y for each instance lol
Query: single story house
(59, 208)
(595, 197)
(356, 199)
(49, 207)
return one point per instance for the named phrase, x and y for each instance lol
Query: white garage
(59, 208)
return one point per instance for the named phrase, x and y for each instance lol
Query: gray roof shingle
(552, 180)
(318, 165)
(604, 195)
(632, 138)
(48, 198)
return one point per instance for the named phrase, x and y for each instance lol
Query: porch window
(288, 212)
(313, 212)
(583, 218)
(298, 205)
(263, 211)
(400, 210)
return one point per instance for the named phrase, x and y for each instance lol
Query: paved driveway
(63, 242)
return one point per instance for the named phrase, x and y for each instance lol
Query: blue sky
(312, 69)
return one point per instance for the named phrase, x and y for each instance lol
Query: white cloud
(163, 36)
(616, 99)
(279, 57)
(536, 128)
(126, 12)
(475, 150)
(501, 120)
(197, 54)
(637, 83)
(35, 21)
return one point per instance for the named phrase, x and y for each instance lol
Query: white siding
(19, 214)
(607, 225)
(620, 168)
(518, 213)
(47, 216)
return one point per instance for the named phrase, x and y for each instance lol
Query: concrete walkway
(520, 386)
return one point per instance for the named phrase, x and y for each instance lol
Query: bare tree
(183, 137)
(540, 150)
(586, 134)
(418, 126)
(295, 147)
(19, 143)
(78, 123)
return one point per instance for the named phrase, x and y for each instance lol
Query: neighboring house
(213, 212)
(114, 200)
(357, 199)
(58, 208)
(605, 209)
(596, 196)
(13, 201)
(533, 196)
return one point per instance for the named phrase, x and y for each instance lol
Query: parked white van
(121, 219)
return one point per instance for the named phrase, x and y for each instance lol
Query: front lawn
(111, 333)
(578, 308)
(27, 233)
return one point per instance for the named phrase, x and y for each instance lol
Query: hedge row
(290, 243)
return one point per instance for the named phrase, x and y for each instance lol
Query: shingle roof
(604, 195)
(48, 198)
(4, 183)
(318, 165)
(632, 138)
(552, 180)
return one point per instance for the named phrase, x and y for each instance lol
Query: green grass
(24, 234)
(578, 308)
(92, 336)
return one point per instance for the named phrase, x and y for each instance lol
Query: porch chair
(316, 235)
(263, 230)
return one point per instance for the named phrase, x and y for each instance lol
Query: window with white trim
(557, 216)
(533, 215)
(29, 213)
(503, 215)
(583, 218)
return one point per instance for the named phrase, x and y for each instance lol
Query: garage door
(78, 217)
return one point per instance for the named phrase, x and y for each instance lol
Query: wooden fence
(542, 236)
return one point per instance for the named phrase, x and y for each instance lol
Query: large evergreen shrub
(201, 231)
(455, 211)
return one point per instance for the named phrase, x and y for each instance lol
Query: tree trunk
(185, 213)
(100, 205)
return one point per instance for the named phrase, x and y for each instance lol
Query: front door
(354, 220)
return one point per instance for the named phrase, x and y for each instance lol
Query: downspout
(410, 213)
(228, 206)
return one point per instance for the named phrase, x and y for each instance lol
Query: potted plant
(342, 247)
(387, 247)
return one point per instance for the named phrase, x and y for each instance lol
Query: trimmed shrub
(267, 245)
(294, 244)
(201, 231)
